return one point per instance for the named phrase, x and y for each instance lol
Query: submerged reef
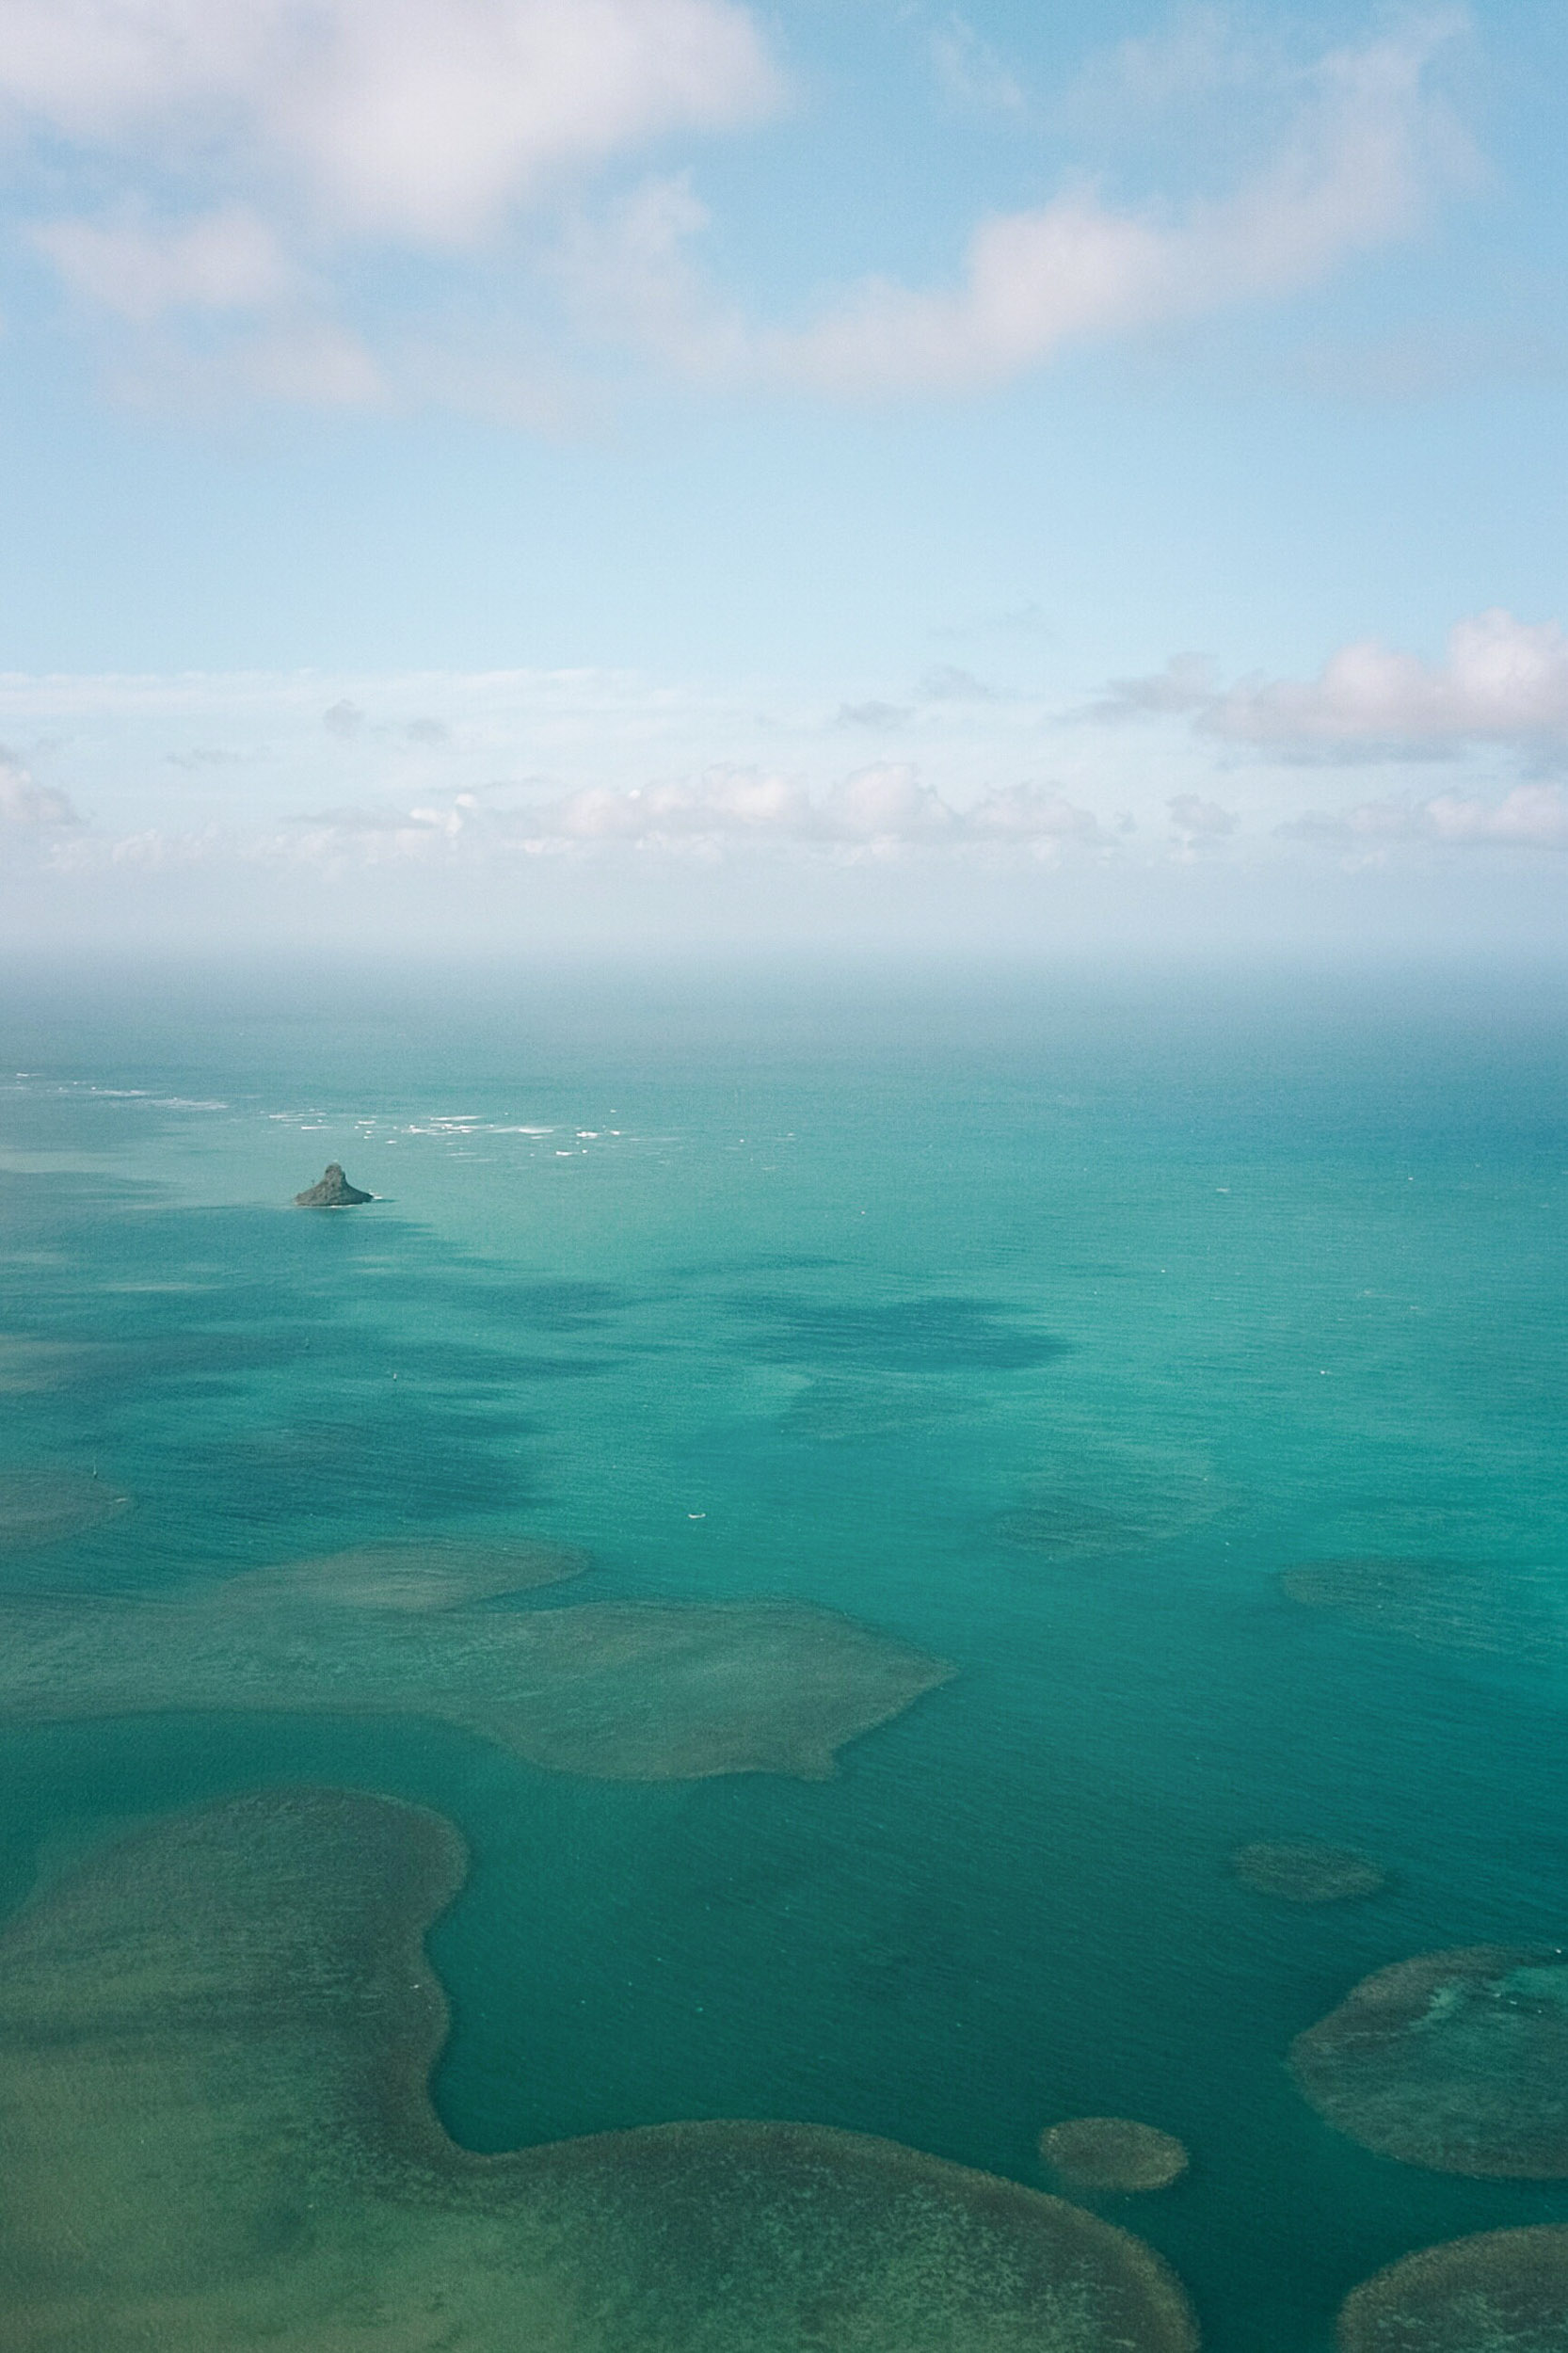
(1098, 1500)
(419, 1573)
(1114, 2152)
(1064, 1526)
(44, 1507)
(617, 1691)
(1457, 2060)
(1500, 2292)
(216, 2040)
(1486, 1610)
(1303, 1872)
(331, 1191)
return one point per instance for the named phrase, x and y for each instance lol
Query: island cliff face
(333, 1192)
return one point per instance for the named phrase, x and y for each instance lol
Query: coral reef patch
(419, 1573)
(1096, 1500)
(1303, 1872)
(1457, 2060)
(216, 2041)
(1475, 1606)
(1114, 2152)
(618, 1692)
(1499, 2292)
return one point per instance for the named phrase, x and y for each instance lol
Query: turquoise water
(1038, 1319)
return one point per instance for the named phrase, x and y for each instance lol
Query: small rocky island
(333, 1192)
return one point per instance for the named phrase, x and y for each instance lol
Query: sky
(672, 471)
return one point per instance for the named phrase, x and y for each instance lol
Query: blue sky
(668, 469)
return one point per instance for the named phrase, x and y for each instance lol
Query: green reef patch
(1457, 2060)
(1114, 2152)
(1499, 2292)
(214, 2046)
(1303, 1871)
(615, 1690)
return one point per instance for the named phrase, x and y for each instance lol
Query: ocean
(1041, 1320)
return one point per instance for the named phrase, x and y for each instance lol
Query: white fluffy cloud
(228, 259)
(886, 804)
(1356, 173)
(1368, 150)
(30, 808)
(727, 801)
(429, 124)
(874, 814)
(424, 120)
(1531, 817)
(1502, 680)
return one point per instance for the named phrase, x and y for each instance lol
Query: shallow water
(1038, 1324)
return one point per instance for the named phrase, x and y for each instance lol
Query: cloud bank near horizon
(1501, 682)
(495, 772)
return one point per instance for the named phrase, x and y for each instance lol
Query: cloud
(300, 361)
(1033, 812)
(885, 804)
(888, 803)
(1530, 817)
(426, 121)
(1357, 172)
(1186, 683)
(225, 260)
(1191, 58)
(873, 714)
(874, 811)
(969, 71)
(946, 682)
(627, 275)
(27, 807)
(311, 127)
(1198, 820)
(885, 801)
(1502, 680)
(726, 801)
